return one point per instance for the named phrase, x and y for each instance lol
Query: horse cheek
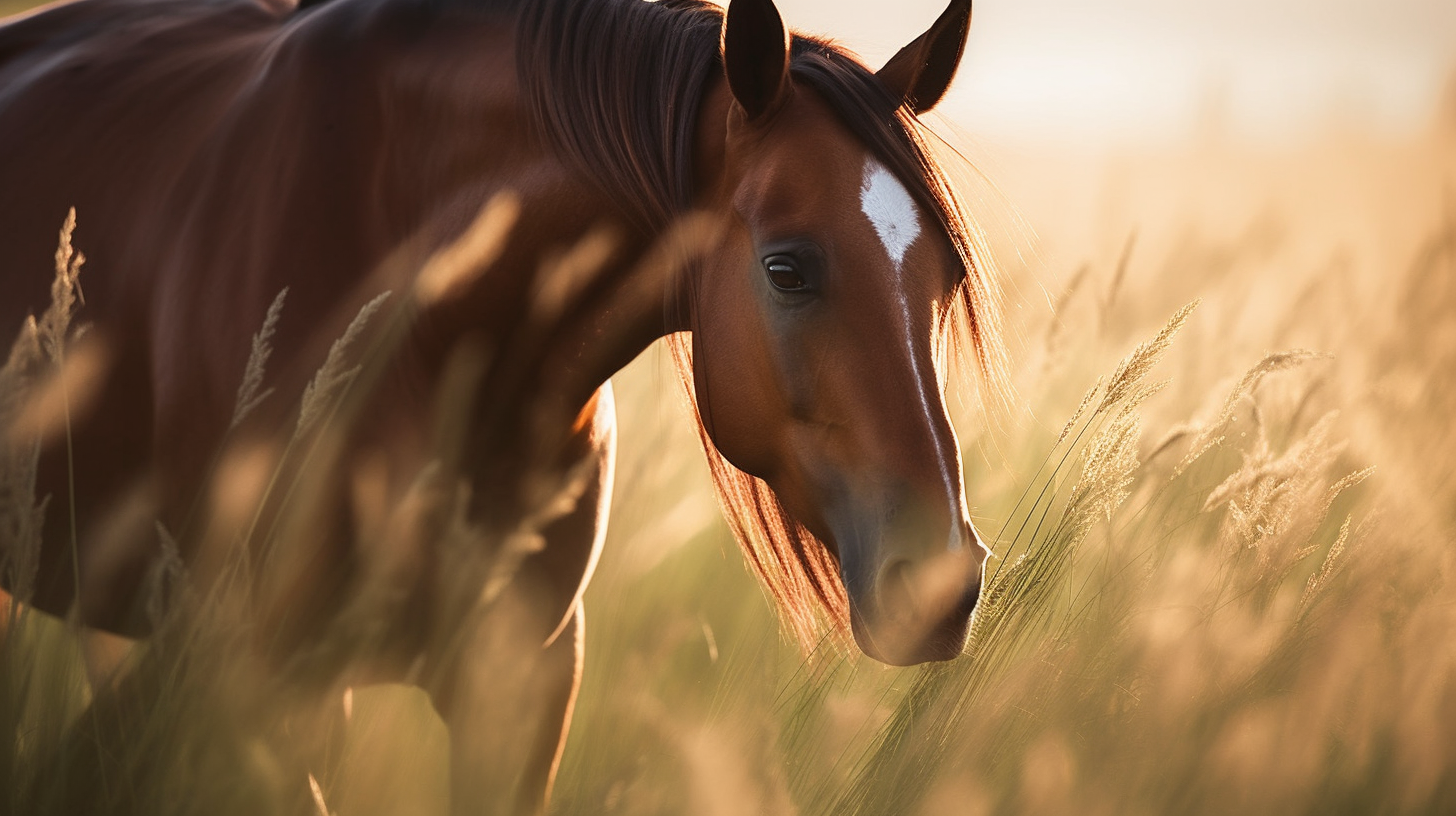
(736, 396)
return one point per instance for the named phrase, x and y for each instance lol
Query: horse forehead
(805, 142)
(812, 174)
(890, 209)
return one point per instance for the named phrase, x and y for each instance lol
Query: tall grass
(1220, 582)
(219, 710)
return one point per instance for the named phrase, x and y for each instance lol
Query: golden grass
(1222, 586)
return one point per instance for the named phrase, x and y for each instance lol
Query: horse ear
(755, 55)
(921, 72)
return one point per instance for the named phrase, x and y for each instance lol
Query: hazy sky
(1117, 69)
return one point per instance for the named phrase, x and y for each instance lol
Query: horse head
(821, 318)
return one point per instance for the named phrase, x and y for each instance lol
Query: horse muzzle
(913, 608)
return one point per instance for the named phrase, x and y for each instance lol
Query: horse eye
(783, 273)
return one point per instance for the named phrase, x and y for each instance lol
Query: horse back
(101, 103)
(181, 132)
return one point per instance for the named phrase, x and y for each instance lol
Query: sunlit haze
(1139, 70)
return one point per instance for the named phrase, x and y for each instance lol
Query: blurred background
(1060, 103)
(1092, 74)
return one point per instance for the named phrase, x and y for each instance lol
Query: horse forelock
(616, 86)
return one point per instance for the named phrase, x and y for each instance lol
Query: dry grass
(1223, 585)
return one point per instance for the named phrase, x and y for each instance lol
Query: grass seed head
(250, 390)
(322, 392)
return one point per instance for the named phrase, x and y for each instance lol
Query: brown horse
(219, 152)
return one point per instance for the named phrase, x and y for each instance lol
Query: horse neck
(645, 291)
(607, 316)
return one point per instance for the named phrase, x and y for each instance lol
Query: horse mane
(616, 87)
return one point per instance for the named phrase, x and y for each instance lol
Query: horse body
(201, 197)
(219, 152)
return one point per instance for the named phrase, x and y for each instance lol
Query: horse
(666, 169)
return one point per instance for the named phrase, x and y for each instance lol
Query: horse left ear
(921, 72)
(755, 55)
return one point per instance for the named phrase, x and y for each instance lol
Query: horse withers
(665, 168)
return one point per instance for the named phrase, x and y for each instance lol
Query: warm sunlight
(1135, 70)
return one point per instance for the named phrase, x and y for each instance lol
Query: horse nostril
(895, 592)
(929, 594)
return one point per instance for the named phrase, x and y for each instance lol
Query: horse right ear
(756, 55)
(920, 73)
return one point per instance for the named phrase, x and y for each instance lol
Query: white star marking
(890, 208)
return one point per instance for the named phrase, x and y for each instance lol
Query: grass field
(1222, 505)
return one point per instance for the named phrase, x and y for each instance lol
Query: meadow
(1220, 496)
